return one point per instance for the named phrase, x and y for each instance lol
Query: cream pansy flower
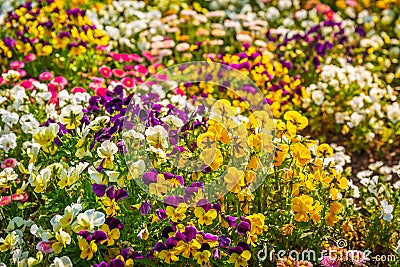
(88, 221)
(71, 116)
(106, 152)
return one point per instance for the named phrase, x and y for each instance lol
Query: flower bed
(208, 133)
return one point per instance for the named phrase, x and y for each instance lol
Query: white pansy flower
(80, 98)
(393, 112)
(373, 185)
(64, 261)
(88, 221)
(272, 14)
(355, 120)
(341, 117)
(8, 141)
(356, 191)
(18, 223)
(157, 137)
(7, 175)
(106, 152)
(98, 123)
(133, 134)
(95, 176)
(137, 168)
(41, 180)
(173, 120)
(71, 116)
(357, 103)
(386, 212)
(318, 97)
(28, 123)
(9, 118)
(39, 232)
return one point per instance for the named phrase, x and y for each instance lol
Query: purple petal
(159, 246)
(121, 194)
(116, 263)
(149, 177)
(110, 192)
(145, 208)
(99, 189)
(114, 223)
(190, 233)
(99, 236)
(85, 234)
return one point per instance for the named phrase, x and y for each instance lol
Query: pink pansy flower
(357, 257)
(16, 64)
(9, 163)
(98, 79)
(329, 262)
(125, 57)
(352, 3)
(128, 82)
(22, 73)
(78, 90)
(118, 73)
(329, 14)
(136, 58)
(45, 247)
(102, 47)
(322, 8)
(54, 94)
(100, 91)
(55, 87)
(45, 76)
(4, 201)
(60, 80)
(179, 92)
(54, 100)
(161, 76)
(141, 69)
(29, 58)
(20, 197)
(117, 57)
(139, 80)
(27, 84)
(105, 71)
(95, 85)
(148, 55)
(159, 67)
(129, 68)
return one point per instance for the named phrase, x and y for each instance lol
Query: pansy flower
(111, 199)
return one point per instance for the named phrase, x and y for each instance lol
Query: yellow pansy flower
(112, 235)
(324, 151)
(296, 119)
(63, 239)
(301, 153)
(168, 255)
(234, 179)
(205, 217)
(178, 213)
(240, 260)
(301, 206)
(202, 257)
(189, 248)
(87, 248)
